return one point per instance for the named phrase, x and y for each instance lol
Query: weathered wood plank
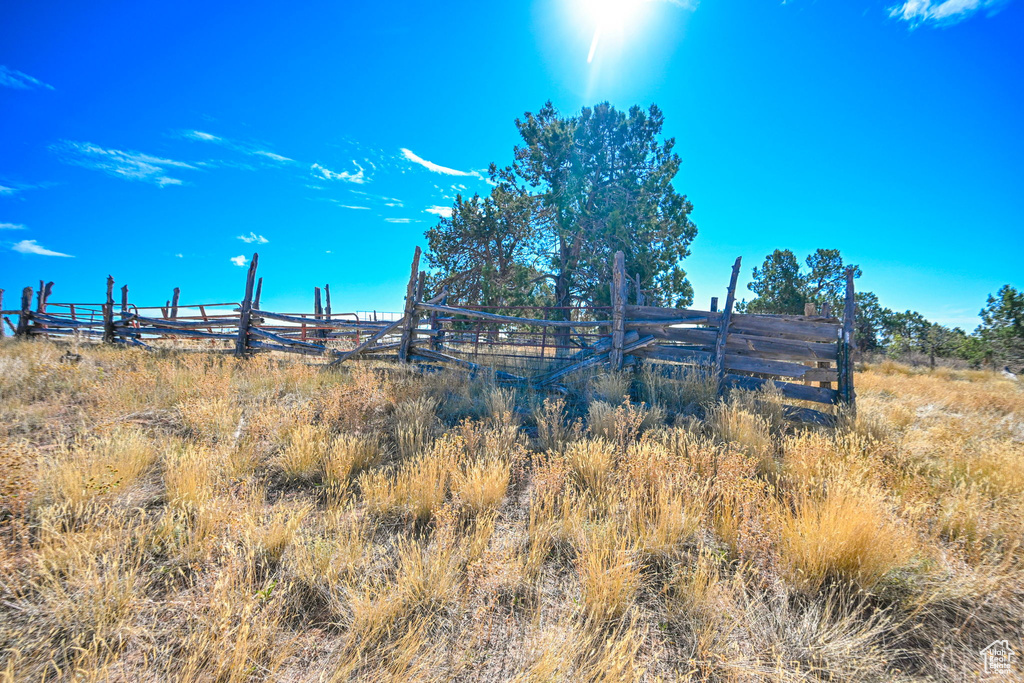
(676, 354)
(677, 315)
(108, 312)
(735, 363)
(285, 340)
(618, 310)
(183, 324)
(170, 332)
(591, 361)
(50, 320)
(298, 320)
(393, 346)
(25, 314)
(410, 309)
(779, 349)
(804, 330)
(687, 335)
(723, 327)
(789, 390)
(846, 393)
(480, 315)
(245, 315)
(369, 341)
(561, 372)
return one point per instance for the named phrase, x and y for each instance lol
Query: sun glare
(608, 15)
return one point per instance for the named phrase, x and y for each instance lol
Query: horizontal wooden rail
(317, 322)
(480, 315)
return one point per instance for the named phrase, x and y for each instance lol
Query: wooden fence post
(41, 298)
(174, 303)
(723, 327)
(259, 292)
(409, 316)
(26, 312)
(108, 312)
(714, 304)
(846, 395)
(124, 311)
(437, 341)
(245, 315)
(618, 310)
(318, 312)
(327, 302)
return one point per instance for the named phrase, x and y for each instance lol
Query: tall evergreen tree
(1002, 325)
(604, 178)
(484, 252)
(783, 287)
(778, 284)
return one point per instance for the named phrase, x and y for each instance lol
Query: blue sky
(158, 142)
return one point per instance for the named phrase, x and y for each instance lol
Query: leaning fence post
(723, 327)
(174, 303)
(259, 292)
(846, 395)
(245, 314)
(108, 312)
(618, 310)
(41, 298)
(408, 317)
(26, 312)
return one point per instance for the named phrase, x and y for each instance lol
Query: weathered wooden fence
(807, 358)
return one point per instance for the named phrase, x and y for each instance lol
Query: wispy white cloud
(399, 220)
(115, 162)
(20, 81)
(253, 238)
(358, 177)
(271, 155)
(235, 145)
(943, 13)
(179, 256)
(33, 247)
(7, 190)
(239, 260)
(11, 226)
(200, 135)
(431, 166)
(443, 211)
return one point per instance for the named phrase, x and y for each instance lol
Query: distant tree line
(783, 285)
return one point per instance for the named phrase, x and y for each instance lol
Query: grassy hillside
(191, 517)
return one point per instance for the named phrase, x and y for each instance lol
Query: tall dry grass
(190, 517)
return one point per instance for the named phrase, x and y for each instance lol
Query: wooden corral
(807, 358)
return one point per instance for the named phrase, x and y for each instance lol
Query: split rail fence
(807, 358)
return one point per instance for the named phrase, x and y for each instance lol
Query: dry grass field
(195, 518)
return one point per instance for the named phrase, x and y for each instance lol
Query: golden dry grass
(196, 518)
